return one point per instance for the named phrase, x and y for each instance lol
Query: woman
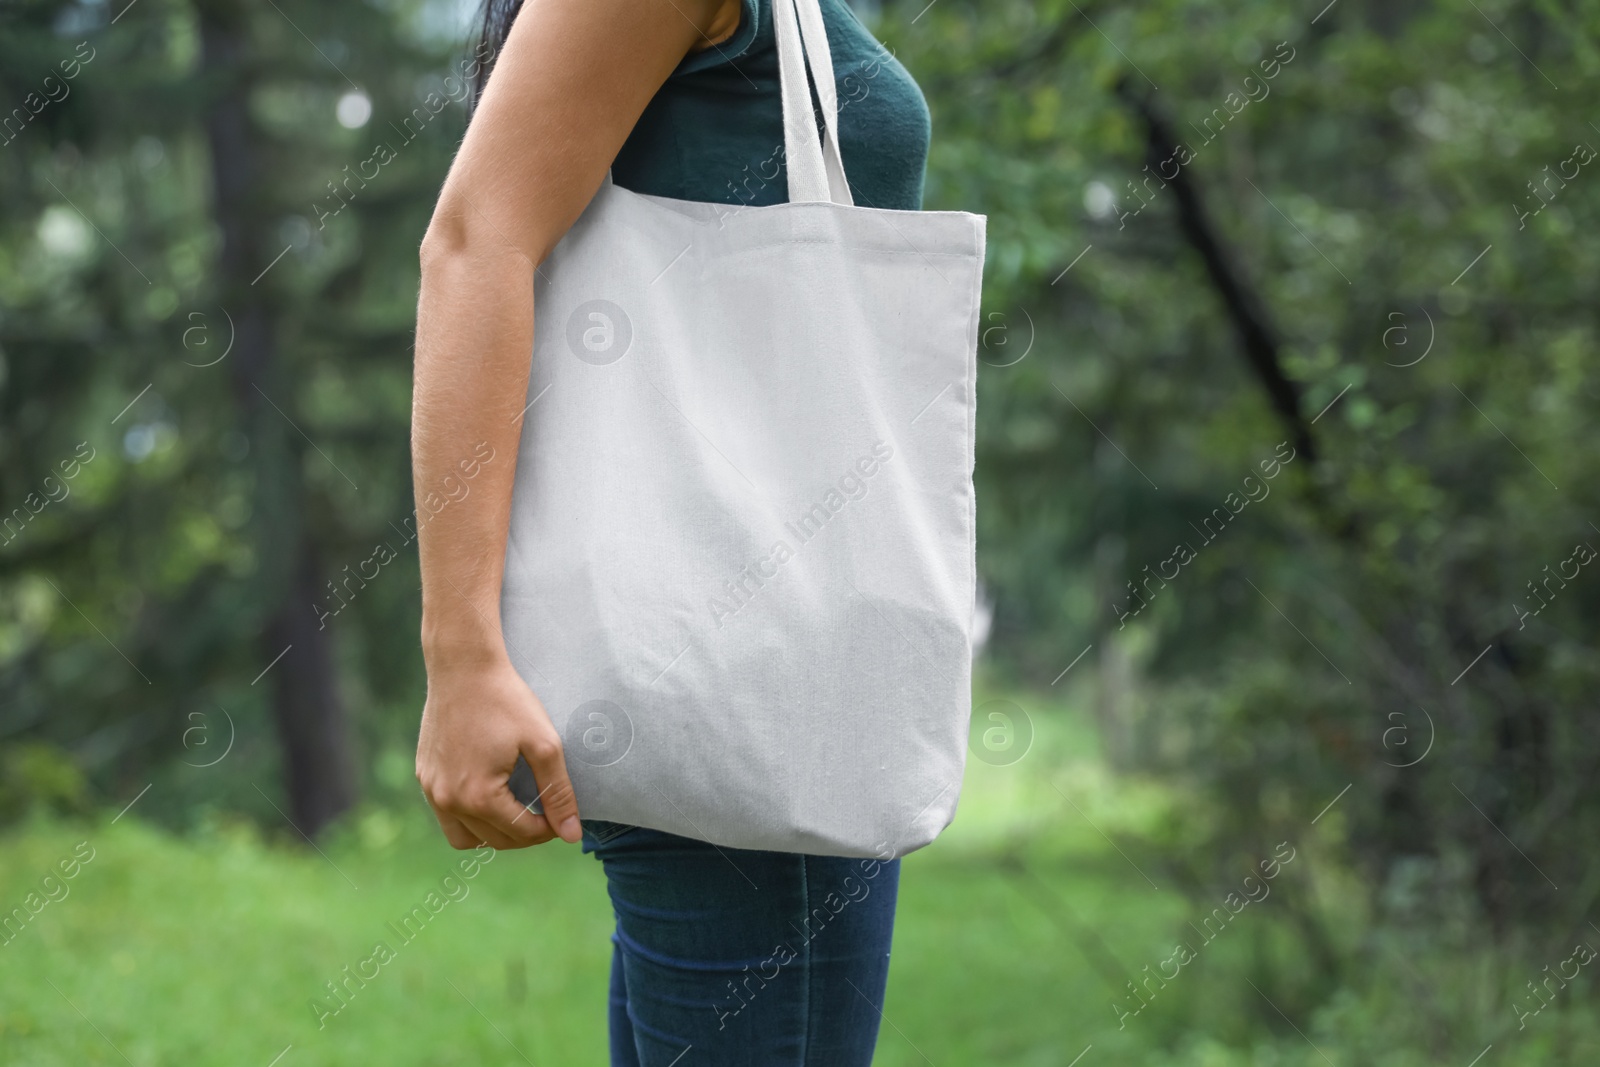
(720, 956)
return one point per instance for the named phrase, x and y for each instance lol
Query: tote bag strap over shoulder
(816, 170)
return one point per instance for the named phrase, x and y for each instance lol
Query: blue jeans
(727, 957)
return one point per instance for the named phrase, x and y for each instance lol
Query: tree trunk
(318, 758)
(1246, 310)
(317, 755)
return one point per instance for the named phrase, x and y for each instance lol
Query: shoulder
(737, 30)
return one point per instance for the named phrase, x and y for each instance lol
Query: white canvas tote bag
(740, 572)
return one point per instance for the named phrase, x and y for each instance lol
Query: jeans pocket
(597, 832)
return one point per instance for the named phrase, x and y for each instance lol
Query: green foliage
(37, 776)
(1432, 308)
(130, 603)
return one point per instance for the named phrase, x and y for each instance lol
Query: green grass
(209, 949)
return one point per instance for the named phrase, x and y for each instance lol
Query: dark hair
(494, 27)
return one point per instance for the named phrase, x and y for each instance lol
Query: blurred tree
(215, 211)
(1355, 228)
(288, 575)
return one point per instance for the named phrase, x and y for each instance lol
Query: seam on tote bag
(972, 426)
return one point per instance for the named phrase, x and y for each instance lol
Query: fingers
(488, 813)
(495, 817)
(463, 772)
(491, 834)
(543, 752)
(541, 829)
(455, 833)
(505, 815)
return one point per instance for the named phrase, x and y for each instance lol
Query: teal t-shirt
(714, 131)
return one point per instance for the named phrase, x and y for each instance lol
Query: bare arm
(568, 86)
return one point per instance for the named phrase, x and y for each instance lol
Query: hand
(476, 720)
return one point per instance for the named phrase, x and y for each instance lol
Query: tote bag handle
(816, 170)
